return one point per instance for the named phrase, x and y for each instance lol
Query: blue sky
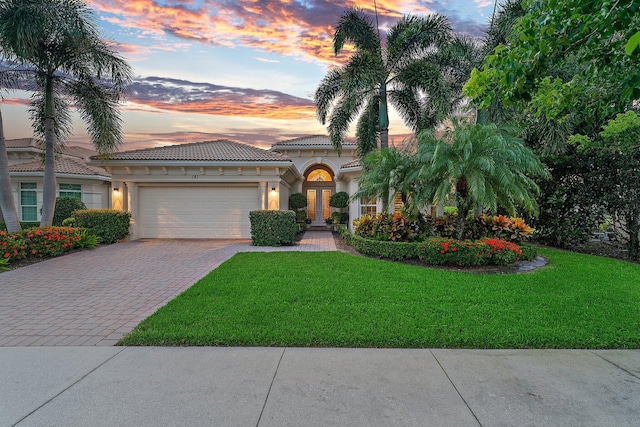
(244, 70)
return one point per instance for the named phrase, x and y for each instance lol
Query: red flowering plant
(444, 251)
(503, 252)
(51, 241)
(12, 246)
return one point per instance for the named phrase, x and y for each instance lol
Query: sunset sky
(244, 70)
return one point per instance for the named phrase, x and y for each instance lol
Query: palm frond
(328, 91)
(356, 27)
(412, 36)
(98, 107)
(367, 130)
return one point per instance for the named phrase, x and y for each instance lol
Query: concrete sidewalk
(205, 386)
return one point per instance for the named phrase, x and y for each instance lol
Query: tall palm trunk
(383, 117)
(7, 204)
(49, 185)
(383, 125)
(464, 206)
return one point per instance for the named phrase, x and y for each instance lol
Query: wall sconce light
(273, 189)
(116, 189)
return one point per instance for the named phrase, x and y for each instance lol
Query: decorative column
(132, 203)
(263, 195)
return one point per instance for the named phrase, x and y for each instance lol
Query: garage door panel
(196, 212)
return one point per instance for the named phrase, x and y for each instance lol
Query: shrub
(339, 200)
(301, 217)
(4, 264)
(50, 241)
(109, 225)
(483, 226)
(87, 240)
(444, 251)
(501, 227)
(529, 253)
(387, 227)
(297, 201)
(443, 226)
(65, 207)
(23, 224)
(502, 252)
(12, 246)
(396, 251)
(272, 228)
(340, 217)
(69, 222)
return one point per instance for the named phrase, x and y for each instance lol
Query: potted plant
(307, 223)
(329, 222)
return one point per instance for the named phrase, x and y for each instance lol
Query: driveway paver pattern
(94, 297)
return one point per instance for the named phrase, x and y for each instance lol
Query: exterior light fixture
(273, 189)
(116, 189)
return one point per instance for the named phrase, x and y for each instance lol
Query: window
(70, 190)
(397, 202)
(319, 175)
(28, 201)
(368, 206)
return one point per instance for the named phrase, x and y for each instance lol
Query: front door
(318, 208)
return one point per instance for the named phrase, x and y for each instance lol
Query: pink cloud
(300, 29)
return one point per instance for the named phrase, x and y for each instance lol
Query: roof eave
(62, 175)
(178, 163)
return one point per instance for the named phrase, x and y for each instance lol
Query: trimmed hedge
(339, 200)
(273, 228)
(443, 251)
(396, 251)
(297, 201)
(109, 225)
(65, 206)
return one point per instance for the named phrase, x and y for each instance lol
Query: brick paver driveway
(95, 297)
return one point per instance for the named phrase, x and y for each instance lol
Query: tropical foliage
(420, 70)
(615, 174)
(587, 32)
(57, 44)
(482, 166)
(385, 172)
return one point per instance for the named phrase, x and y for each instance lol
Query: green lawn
(337, 300)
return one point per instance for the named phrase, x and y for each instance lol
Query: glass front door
(318, 208)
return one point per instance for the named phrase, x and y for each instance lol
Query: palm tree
(7, 204)
(385, 171)
(58, 44)
(419, 71)
(8, 80)
(479, 165)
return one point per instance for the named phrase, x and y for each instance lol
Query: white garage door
(196, 212)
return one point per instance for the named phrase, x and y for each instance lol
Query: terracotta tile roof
(62, 166)
(21, 143)
(73, 150)
(220, 150)
(352, 164)
(313, 140)
(77, 151)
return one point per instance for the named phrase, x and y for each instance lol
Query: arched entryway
(318, 186)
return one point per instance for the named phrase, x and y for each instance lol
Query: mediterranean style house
(74, 175)
(207, 189)
(197, 190)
